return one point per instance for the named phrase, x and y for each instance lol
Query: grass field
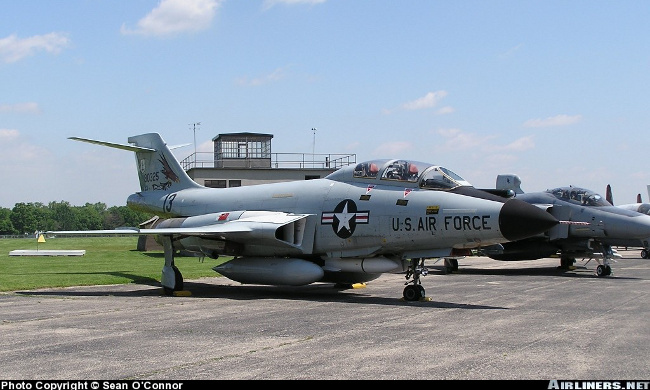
(108, 260)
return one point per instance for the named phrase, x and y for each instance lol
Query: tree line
(27, 218)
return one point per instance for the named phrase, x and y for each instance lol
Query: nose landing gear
(414, 291)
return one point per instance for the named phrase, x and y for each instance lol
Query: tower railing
(278, 160)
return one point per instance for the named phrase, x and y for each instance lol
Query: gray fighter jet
(383, 216)
(589, 227)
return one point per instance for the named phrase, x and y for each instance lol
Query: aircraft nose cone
(519, 220)
(626, 226)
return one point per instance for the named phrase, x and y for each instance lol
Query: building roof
(243, 134)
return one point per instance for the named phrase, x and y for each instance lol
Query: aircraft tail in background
(509, 182)
(639, 201)
(608, 195)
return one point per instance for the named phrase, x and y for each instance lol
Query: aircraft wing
(267, 227)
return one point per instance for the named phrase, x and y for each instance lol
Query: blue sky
(554, 91)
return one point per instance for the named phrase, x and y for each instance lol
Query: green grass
(108, 260)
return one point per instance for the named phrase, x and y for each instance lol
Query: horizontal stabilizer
(130, 148)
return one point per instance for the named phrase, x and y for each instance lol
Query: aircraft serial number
(458, 222)
(150, 177)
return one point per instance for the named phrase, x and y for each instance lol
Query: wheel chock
(183, 293)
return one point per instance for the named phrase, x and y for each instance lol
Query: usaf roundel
(345, 218)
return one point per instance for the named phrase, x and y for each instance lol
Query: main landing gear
(602, 270)
(451, 265)
(414, 291)
(599, 251)
(567, 262)
(172, 279)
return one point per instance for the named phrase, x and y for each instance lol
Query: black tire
(451, 265)
(422, 292)
(454, 264)
(412, 292)
(566, 262)
(178, 278)
(644, 254)
(601, 270)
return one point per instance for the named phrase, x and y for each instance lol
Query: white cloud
(457, 139)
(176, 16)
(20, 107)
(521, 144)
(460, 140)
(445, 110)
(427, 101)
(270, 3)
(552, 121)
(8, 135)
(13, 49)
(15, 152)
(273, 76)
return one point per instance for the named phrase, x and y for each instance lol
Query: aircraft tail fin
(638, 198)
(608, 195)
(509, 182)
(158, 168)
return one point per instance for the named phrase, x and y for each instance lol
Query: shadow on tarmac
(200, 290)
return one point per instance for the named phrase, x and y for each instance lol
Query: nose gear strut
(414, 291)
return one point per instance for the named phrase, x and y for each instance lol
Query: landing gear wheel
(178, 282)
(567, 262)
(603, 270)
(644, 254)
(413, 292)
(451, 265)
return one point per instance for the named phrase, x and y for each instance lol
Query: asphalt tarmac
(489, 320)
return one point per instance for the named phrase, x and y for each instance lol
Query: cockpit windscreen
(441, 178)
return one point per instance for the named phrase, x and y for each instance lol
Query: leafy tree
(27, 217)
(90, 216)
(62, 216)
(6, 227)
(120, 216)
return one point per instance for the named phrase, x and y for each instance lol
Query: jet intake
(274, 271)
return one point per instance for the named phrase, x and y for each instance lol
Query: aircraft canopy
(581, 196)
(401, 172)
